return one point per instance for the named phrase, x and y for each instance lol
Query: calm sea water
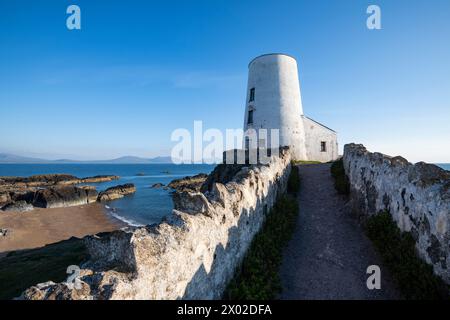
(146, 206)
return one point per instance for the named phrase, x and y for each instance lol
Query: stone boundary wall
(192, 254)
(416, 195)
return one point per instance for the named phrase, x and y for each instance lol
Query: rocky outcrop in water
(116, 192)
(18, 206)
(5, 198)
(49, 180)
(416, 195)
(39, 180)
(47, 191)
(64, 196)
(190, 184)
(98, 179)
(192, 254)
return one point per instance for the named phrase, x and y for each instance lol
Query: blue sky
(138, 70)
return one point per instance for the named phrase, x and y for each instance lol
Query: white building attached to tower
(274, 102)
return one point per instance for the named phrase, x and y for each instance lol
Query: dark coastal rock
(21, 183)
(190, 184)
(64, 196)
(19, 206)
(5, 198)
(91, 193)
(40, 180)
(48, 190)
(101, 178)
(157, 185)
(116, 192)
(25, 195)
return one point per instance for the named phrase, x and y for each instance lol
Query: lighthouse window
(323, 146)
(250, 117)
(252, 95)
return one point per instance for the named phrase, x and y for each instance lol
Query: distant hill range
(11, 158)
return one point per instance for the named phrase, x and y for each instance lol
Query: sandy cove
(40, 227)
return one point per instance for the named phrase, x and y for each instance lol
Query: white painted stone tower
(274, 102)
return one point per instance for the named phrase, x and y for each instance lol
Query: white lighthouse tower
(274, 101)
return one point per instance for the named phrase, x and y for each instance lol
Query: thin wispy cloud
(140, 76)
(204, 79)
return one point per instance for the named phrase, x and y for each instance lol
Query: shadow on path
(329, 253)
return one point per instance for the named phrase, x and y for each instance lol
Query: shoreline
(40, 227)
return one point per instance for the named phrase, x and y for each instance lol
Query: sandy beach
(40, 227)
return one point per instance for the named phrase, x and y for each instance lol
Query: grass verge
(414, 277)
(293, 185)
(22, 269)
(341, 182)
(258, 278)
(302, 162)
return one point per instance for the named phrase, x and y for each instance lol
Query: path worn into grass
(328, 255)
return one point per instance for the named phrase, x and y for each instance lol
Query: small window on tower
(252, 95)
(250, 117)
(323, 146)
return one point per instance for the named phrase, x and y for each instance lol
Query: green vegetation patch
(258, 277)
(341, 182)
(415, 278)
(302, 162)
(293, 185)
(22, 269)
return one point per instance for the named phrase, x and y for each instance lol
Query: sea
(146, 206)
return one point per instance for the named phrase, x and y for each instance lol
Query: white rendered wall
(277, 103)
(314, 135)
